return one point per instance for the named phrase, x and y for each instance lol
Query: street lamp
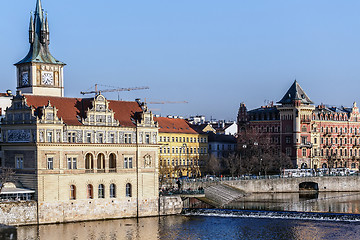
(182, 148)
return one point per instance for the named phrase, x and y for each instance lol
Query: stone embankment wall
(326, 184)
(18, 213)
(25, 213)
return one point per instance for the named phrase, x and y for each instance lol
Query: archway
(308, 186)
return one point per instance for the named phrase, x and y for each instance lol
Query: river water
(259, 216)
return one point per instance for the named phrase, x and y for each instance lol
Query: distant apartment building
(312, 136)
(183, 150)
(221, 145)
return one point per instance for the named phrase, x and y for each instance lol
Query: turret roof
(295, 92)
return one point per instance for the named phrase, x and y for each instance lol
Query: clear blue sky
(213, 54)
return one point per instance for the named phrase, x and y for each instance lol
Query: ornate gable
(19, 112)
(49, 115)
(100, 114)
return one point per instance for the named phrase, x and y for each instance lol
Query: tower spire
(39, 39)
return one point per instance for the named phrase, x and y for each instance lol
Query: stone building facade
(86, 159)
(313, 136)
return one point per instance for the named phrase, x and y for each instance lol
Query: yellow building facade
(183, 151)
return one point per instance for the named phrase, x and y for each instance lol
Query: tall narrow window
(101, 191)
(74, 162)
(126, 162)
(147, 138)
(89, 161)
(130, 162)
(101, 138)
(50, 163)
(49, 137)
(112, 138)
(101, 161)
(19, 162)
(112, 190)
(88, 137)
(72, 192)
(69, 163)
(128, 190)
(112, 161)
(90, 192)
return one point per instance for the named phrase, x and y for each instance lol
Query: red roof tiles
(174, 125)
(70, 108)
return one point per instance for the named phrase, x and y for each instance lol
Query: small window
(101, 191)
(50, 163)
(128, 190)
(88, 137)
(101, 138)
(112, 138)
(19, 162)
(72, 192)
(112, 190)
(49, 137)
(147, 138)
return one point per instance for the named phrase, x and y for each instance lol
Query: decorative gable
(19, 112)
(100, 114)
(49, 115)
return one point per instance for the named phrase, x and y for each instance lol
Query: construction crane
(112, 89)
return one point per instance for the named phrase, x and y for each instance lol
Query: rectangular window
(160, 149)
(49, 137)
(127, 138)
(74, 160)
(112, 138)
(168, 150)
(173, 139)
(287, 140)
(19, 162)
(50, 163)
(69, 163)
(101, 138)
(71, 137)
(304, 152)
(128, 162)
(147, 138)
(88, 137)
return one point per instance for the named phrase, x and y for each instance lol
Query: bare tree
(6, 175)
(213, 165)
(232, 163)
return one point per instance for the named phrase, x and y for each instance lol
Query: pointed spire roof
(295, 92)
(39, 49)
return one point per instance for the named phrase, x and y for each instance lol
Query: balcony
(307, 145)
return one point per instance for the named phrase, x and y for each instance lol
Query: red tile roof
(70, 108)
(174, 125)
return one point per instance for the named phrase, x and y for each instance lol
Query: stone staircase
(222, 194)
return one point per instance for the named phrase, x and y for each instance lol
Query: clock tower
(39, 73)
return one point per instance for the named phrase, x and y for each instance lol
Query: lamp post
(182, 148)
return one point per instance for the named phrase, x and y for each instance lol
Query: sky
(213, 54)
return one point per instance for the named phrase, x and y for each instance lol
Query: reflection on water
(333, 202)
(232, 225)
(193, 228)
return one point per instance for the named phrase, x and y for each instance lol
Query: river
(260, 216)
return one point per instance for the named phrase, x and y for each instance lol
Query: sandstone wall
(18, 213)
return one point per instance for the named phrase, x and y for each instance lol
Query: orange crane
(112, 89)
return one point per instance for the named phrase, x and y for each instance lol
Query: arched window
(353, 165)
(101, 193)
(112, 162)
(112, 190)
(89, 161)
(72, 192)
(128, 190)
(90, 192)
(324, 165)
(101, 161)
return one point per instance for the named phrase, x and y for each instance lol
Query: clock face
(47, 78)
(25, 78)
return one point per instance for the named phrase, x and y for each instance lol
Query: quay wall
(279, 185)
(29, 213)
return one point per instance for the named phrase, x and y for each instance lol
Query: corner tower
(295, 122)
(39, 73)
